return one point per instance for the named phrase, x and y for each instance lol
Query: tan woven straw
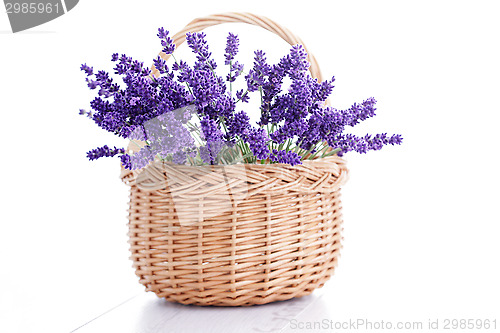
(240, 234)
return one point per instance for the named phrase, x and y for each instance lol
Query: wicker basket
(239, 234)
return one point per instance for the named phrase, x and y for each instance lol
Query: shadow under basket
(235, 235)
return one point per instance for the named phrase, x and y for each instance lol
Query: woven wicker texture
(239, 234)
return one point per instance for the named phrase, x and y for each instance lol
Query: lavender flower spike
(294, 123)
(104, 151)
(231, 48)
(166, 41)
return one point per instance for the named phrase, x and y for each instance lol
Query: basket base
(243, 297)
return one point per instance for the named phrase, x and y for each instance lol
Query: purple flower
(196, 41)
(258, 139)
(243, 96)
(312, 133)
(126, 162)
(210, 130)
(86, 113)
(323, 90)
(160, 65)
(296, 62)
(166, 41)
(359, 112)
(231, 47)
(256, 76)
(235, 70)
(350, 142)
(179, 157)
(92, 84)
(239, 124)
(166, 134)
(159, 110)
(104, 151)
(134, 100)
(377, 141)
(260, 64)
(285, 157)
(167, 138)
(290, 130)
(209, 153)
(139, 159)
(88, 70)
(120, 110)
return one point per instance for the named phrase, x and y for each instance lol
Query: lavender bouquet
(191, 115)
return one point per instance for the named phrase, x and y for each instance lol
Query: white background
(421, 220)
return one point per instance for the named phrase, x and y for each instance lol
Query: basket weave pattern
(280, 241)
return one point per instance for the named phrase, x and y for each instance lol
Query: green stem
(230, 78)
(333, 152)
(223, 122)
(308, 151)
(239, 99)
(319, 151)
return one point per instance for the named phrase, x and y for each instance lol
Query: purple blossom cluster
(104, 151)
(286, 157)
(235, 68)
(165, 135)
(187, 114)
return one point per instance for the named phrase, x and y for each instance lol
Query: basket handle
(201, 23)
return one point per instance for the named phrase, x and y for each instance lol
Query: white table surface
(146, 313)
